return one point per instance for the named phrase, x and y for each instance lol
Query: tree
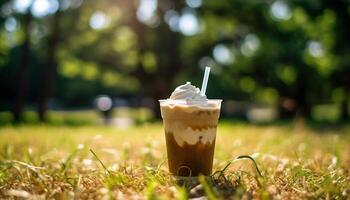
(282, 63)
(341, 76)
(49, 70)
(21, 82)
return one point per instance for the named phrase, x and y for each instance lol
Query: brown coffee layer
(189, 160)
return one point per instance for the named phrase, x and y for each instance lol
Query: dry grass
(51, 162)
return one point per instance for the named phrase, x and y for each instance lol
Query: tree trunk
(303, 109)
(344, 107)
(157, 84)
(162, 90)
(22, 84)
(48, 72)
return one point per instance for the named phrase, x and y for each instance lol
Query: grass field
(46, 162)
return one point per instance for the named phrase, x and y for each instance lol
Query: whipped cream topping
(188, 92)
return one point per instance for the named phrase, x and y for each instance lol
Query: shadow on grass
(221, 187)
(222, 184)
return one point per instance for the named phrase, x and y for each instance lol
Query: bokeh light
(250, 44)
(188, 23)
(146, 12)
(280, 10)
(171, 17)
(194, 3)
(315, 49)
(42, 8)
(21, 6)
(11, 24)
(99, 20)
(104, 102)
(223, 55)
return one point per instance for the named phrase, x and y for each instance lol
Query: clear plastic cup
(190, 132)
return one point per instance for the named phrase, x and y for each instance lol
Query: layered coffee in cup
(190, 122)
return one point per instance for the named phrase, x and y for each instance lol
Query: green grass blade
(66, 165)
(221, 172)
(103, 165)
(150, 193)
(207, 189)
(252, 159)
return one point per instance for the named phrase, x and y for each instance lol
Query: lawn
(45, 162)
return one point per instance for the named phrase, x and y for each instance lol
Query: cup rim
(184, 100)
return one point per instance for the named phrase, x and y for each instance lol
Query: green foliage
(301, 56)
(149, 61)
(326, 113)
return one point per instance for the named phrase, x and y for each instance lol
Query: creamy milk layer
(190, 116)
(183, 133)
(190, 124)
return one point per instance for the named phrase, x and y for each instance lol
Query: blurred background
(61, 60)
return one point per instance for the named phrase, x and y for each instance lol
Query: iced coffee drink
(190, 122)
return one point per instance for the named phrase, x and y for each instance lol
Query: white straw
(205, 80)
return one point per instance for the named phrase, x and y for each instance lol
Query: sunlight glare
(99, 20)
(11, 24)
(21, 6)
(188, 24)
(42, 8)
(315, 49)
(146, 12)
(171, 17)
(194, 3)
(280, 10)
(223, 55)
(250, 45)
